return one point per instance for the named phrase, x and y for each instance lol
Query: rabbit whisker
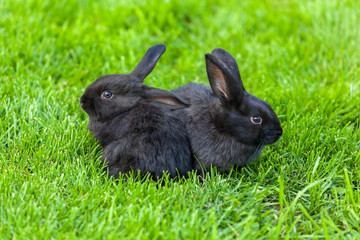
(257, 150)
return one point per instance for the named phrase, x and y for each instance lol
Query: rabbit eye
(256, 119)
(107, 94)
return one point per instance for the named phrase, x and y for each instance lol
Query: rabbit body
(135, 124)
(226, 125)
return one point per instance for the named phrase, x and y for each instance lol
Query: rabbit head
(111, 95)
(247, 118)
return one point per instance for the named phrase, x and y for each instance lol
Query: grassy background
(301, 56)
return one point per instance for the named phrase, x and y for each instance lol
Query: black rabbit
(135, 124)
(226, 125)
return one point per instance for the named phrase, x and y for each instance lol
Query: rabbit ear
(165, 98)
(223, 83)
(229, 62)
(148, 62)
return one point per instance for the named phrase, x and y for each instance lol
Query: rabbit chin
(235, 154)
(244, 159)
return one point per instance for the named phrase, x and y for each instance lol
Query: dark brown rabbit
(135, 124)
(226, 125)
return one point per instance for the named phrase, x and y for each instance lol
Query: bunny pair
(156, 131)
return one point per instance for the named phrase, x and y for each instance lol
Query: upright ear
(165, 98)
(148, 62)
(229, 62)
(223, 83)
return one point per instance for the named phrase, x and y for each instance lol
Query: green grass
(301, 56)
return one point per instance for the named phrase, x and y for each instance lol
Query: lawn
(300, 56)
